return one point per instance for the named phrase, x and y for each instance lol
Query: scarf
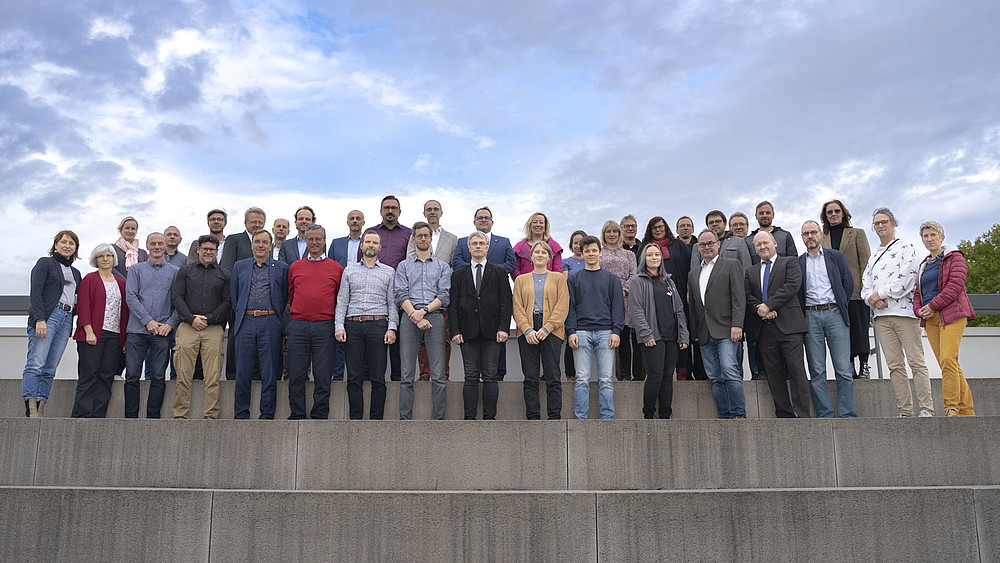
(664, 247)
(131, 252)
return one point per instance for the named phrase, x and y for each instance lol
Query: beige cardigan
(555, 304)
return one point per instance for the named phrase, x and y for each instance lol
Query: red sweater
(312, 289)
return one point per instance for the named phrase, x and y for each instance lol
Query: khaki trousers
(188, 344)
(900, 336)
(944, 341)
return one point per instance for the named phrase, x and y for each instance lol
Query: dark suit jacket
(471, 314)
(500, 253)
(725, 300)
(46, 289)
(239, 287)
(289, 251)
(237, 248)
(840, 278)
(782, 296)
(338, 251)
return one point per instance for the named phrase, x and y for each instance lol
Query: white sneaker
(925, 413)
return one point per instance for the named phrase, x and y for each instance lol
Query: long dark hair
(826, 222)
(648, 237)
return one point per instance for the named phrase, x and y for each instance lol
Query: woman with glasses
(838, 234)
(127, 247)
(944, 309)
(52, 302)
(100, 334)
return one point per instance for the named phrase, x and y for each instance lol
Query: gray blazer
(446, 245)
(725, 300)
(642, 307)
(734, 248)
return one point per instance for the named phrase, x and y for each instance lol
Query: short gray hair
(98, 250)
(885, 211)
(933, 225)
(479, 234)
(315, 227)
(627, 217)
(246, 216)
(713, 233)
(818, 226)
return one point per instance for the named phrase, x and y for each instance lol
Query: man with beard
(765, 220)
(394, 237)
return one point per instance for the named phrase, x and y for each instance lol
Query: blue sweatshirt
(595, 302)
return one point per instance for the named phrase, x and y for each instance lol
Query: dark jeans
(309, 342)
(568, 361)
(479, 356)
(258, 343)
(339, 361)
(136, 347)
(625, 354)
(544, 356)
(660, 361)
(502, 361)
(96, 367)
(860, 316)
(366, 339)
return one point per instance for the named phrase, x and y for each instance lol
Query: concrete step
(692, 399)
(793, 525)
(593, 455)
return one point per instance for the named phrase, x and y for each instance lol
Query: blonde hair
(614, 225)
(544, 245)
(527, 226)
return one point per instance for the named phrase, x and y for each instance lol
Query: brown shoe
(33, 408)
(41, 408)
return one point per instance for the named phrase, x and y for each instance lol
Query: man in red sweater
(313, 284)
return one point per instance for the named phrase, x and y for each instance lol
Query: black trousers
(860, 316)
(480, 357)
(96, 367)
(543, 356)
(782, 358)
(659, 387)
(309, 342)
(366, 340)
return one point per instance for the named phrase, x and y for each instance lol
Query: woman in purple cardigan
(100, 334)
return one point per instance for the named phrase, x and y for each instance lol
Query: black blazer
(471, 314)
(841, 280)
(47, 287)
(782, 296)
(237, 248)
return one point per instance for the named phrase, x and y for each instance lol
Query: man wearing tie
(778, 325)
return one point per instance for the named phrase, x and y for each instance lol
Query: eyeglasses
(716, 222)
(881, 223)
(390, 207)
(707, 244)
(422, 236)
(833, 211)
(629, 227)
(484, 218)
(810, 233)
(209, 249)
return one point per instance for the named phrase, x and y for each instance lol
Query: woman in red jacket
(100, 333)
(943, 307)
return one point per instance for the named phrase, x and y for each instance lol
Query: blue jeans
(137, 345)
(594, 344)
(44, 355)
(719, 357)
(829, 326)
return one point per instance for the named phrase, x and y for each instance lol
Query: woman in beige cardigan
(838, 234)
(541, 303)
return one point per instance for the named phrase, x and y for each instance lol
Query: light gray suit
(446, 245)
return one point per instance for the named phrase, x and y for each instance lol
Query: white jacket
(892, 272)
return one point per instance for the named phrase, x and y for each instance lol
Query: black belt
(825, 307)
(65, 307)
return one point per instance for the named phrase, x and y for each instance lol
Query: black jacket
(471, 314)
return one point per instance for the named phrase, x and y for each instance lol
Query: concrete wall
(480, 455)
(46, 524)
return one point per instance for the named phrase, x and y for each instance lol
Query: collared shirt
(394, 243)
(308, 256)
(819, 290)
(421, 281)
(178, 258)
(202, 290)
(260, 287)
(763, 268)
(473, 264)
(367, 291)
(435, 237)
(706, 272)
(300, 242)
(275, 250)
(353, 244)
(149, 295)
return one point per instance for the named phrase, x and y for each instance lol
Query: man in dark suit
(500, 253)
(295, 248)
(259, 289)
(718, 300)
(772, 288)
(344, 251)
(237, 248)
(827, 285)
(480, 311)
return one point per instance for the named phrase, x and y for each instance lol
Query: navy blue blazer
(289, 251)
(500, 253)
(46, 288)
(338, 251)
(840, 278)
(239, 287)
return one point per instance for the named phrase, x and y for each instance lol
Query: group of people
(401, 296)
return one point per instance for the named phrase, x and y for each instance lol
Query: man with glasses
(732, 247)
(394, 238)
(630, 228)
(888, 284)
(201, 298)
(239, 245)
(217, 220)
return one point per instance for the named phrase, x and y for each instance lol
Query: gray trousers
(433, 338)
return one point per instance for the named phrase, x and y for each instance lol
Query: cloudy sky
(585, 110)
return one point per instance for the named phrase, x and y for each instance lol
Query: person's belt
(363, 318)
(65, 307)
(256, 313)
(824, 307)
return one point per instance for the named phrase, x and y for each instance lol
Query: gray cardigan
(642, 307)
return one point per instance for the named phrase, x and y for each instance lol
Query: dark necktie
(767, 275)
(479, 277)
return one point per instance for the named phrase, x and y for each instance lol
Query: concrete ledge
(241, 454)
(703, 454)
(248, 526)
(18, 445)
(104, 525)
(917, 451)
(793, 526)
(432, 455)
(988, 523)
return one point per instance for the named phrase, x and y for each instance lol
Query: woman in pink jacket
(536, 229)
(943, 307)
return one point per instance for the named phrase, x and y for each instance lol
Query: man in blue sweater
(595, 321)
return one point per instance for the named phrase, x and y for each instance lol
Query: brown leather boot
(33, 408)
(41, 408)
